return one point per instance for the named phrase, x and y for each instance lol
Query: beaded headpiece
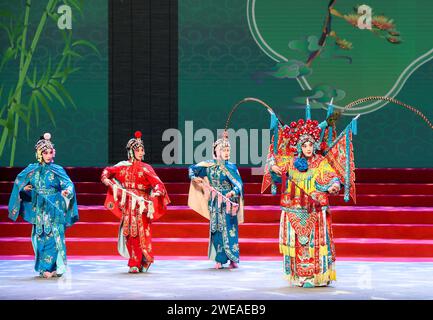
(221, 143)
(134, 143)
(302, 131)
(44, 143)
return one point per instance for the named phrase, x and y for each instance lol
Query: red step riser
(259, 216)
(246, 231)
(246, 249)
(158, 230)
(80, 187)
(375, 187)
(267, 199)
(388, 217)
(383, 250)
(180, 174)
(255, 188)
(385, 232)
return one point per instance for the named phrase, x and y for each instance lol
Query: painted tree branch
(325, 33)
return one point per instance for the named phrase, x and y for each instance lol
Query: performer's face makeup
(307, 149)
(139, 153)
(47, 155)
(225, 153)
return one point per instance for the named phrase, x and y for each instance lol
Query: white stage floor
(197, 280)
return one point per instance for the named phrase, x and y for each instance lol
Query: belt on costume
(47, 191)
(139, 191)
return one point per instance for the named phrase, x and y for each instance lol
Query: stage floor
(196, 279)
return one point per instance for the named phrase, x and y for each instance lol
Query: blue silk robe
(47, 210)
(224, 235)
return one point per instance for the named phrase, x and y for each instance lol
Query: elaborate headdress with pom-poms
(302, 131)
(134, 143)
(221, 143)
(44, 143)
(288, 139)
(338, 149)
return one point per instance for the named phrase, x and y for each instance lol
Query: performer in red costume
(137, 196)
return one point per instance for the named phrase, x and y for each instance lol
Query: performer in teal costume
(216, 192)
(44, 196)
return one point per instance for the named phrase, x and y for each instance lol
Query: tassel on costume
(228, 205)
(220, 199)
(142, 205)
(307, 112)
(115, 192)
(302, 196)
(133, 202)
(123, 200)
(283, 182)
(355, 126)
(292, 190)
(310, 204)
(274, 130)
(273, 189)
(150, 210)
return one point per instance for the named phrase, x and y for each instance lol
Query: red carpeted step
(268, 199)
(180, 174)
(393, 204)
(93, 174)
(247, 230)
(79, 229)
(395, 188)
(394, 175)
(351, 247)
(76, 174)
(86, 214)
(355, 214)
(383, 248)
(80, 187)
(255, 188)
(159, 230)
(361, 188)
(384, 231)
(383, 215)
(161, 246)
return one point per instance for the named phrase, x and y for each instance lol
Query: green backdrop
(220, 62)
(80, 135)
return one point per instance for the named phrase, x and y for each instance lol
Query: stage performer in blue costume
(216, 192)
(44, 196)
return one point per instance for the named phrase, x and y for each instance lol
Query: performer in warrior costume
(216, 192)
(312, 163)
(297, 160)
(136, 196)
(44, 196)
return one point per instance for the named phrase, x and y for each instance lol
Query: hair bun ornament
(137, 134)
(47, 136)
